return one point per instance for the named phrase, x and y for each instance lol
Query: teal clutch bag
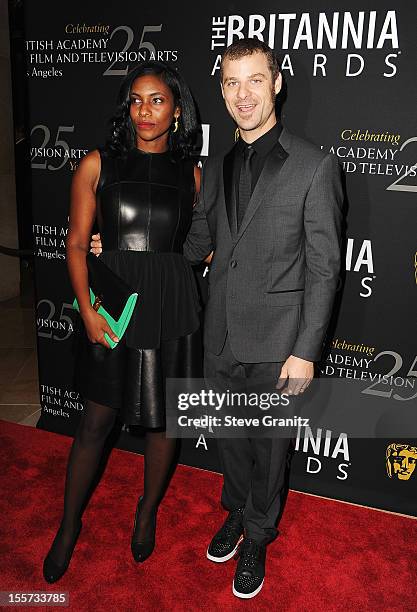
(110, 297)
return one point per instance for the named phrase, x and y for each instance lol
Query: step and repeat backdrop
(351, 89)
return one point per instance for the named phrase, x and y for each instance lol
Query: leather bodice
(144, 201)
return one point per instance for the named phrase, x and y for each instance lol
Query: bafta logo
(401, 460)
(415, 266)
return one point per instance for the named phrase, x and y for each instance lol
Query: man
(270, 209)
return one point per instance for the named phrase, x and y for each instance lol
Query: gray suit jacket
(272, 283)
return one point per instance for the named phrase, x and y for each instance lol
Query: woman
(142, 188)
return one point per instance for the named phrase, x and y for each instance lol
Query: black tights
(95, 425)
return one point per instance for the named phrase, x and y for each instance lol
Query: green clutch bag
(110, 296)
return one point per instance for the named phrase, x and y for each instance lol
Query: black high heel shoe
(52, 572)
(143, 549)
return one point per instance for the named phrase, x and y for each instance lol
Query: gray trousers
(254, 469)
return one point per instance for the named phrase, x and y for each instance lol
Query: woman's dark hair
(123, 135)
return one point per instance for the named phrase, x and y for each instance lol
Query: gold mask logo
(415, 266)
(401, 460)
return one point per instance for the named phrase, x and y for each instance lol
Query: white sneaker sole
(248, 595)
(226, 557)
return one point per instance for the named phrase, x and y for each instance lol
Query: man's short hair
(248, 46)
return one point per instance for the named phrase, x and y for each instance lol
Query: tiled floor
(19, 393)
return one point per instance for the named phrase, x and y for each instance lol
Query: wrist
(306, 359)
(86, 311)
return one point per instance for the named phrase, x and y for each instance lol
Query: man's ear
(278, 84)
(222, 89)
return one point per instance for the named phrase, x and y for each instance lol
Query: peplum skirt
(163, 339)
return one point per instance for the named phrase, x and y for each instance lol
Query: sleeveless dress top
(144, 211)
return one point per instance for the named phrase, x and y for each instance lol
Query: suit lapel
(272, 167)
(229, 190)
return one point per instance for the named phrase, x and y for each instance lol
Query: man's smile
(245, 107)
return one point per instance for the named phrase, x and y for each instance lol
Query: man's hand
(95, 244)
(297, 373)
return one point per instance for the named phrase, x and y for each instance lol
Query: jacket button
(233, 263)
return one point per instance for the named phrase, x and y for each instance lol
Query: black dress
(144, 210)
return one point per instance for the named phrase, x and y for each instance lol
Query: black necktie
(245, 184)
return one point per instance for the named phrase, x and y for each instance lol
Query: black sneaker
(226, 541)
(250, 571)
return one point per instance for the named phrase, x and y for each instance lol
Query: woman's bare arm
(197, 182)
(82, 215)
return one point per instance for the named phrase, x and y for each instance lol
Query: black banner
(351, 89)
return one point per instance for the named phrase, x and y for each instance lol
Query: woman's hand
(95, 244)
(96, 326)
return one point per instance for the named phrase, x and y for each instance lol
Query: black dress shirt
(262, 146)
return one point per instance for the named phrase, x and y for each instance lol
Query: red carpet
(330, 556)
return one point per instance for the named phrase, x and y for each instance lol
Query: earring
(175, 125)
(237, 134)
